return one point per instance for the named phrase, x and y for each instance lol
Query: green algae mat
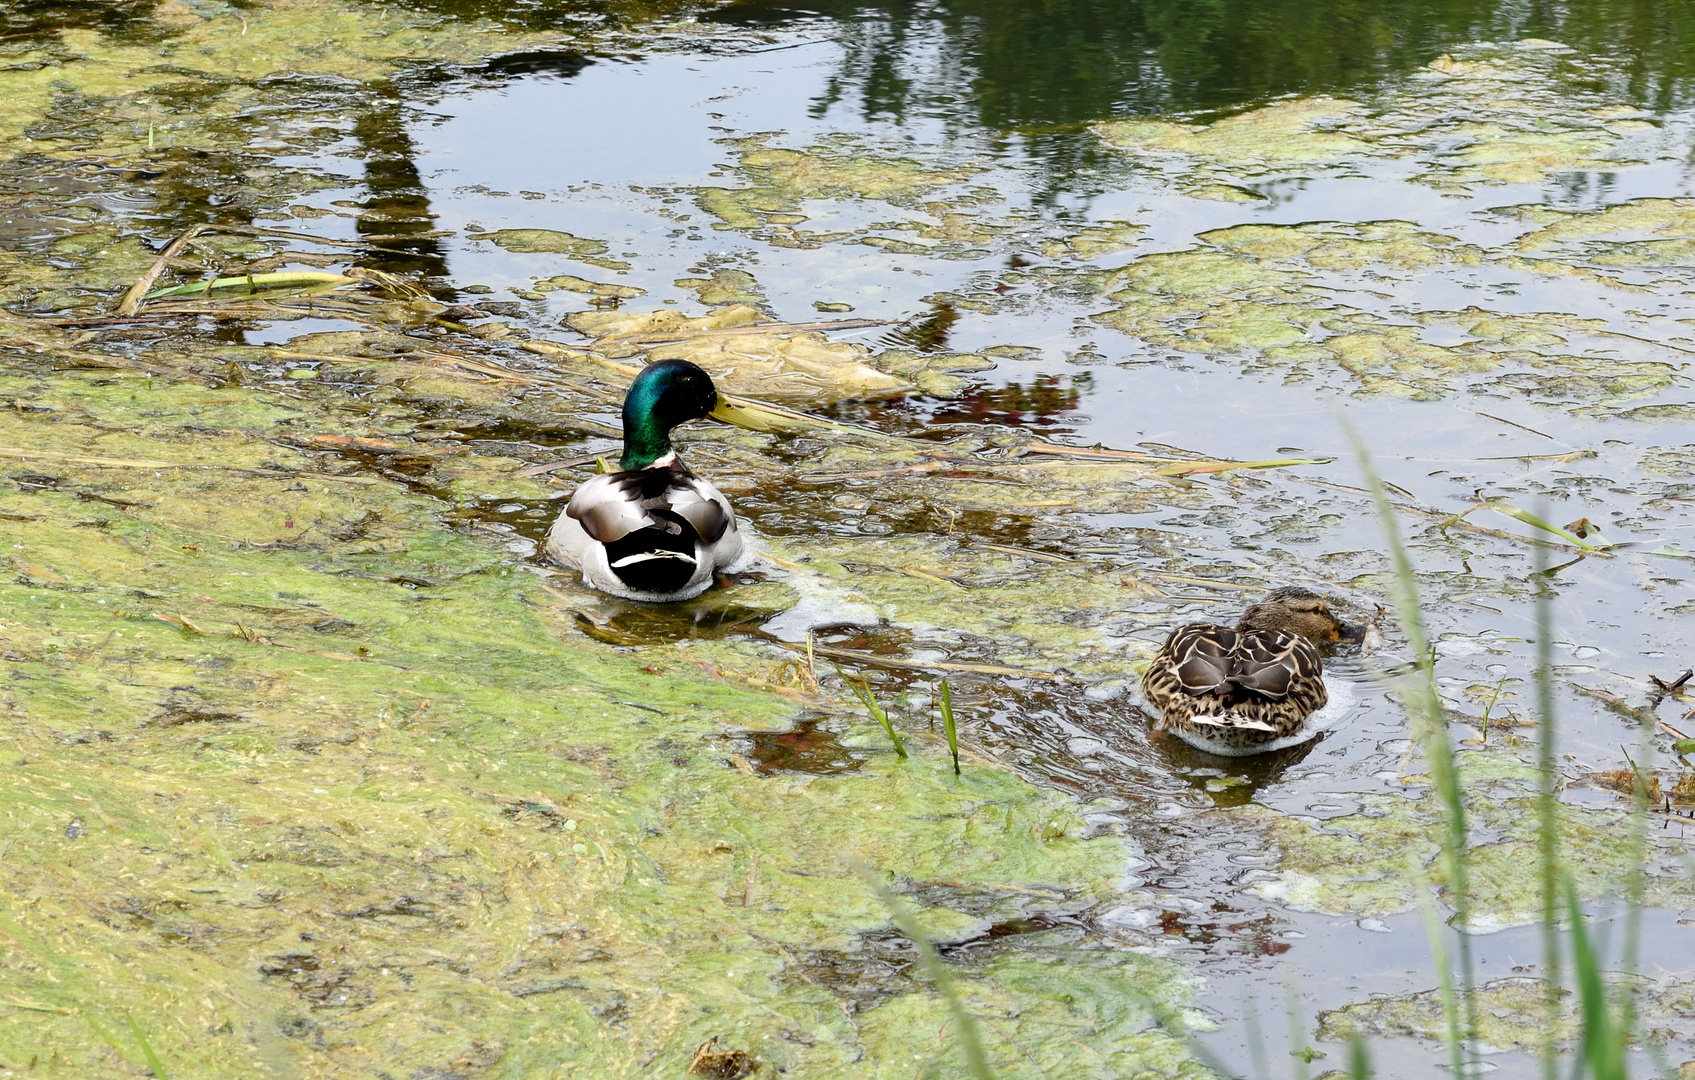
(309, 779)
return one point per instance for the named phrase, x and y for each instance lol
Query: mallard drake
(653, 530)
(1251, 689)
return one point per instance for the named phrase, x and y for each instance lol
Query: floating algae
(369, 791)
(572, 283)
(1512, 1014)
(1486, 114)
(552, 242)
(1359, 864)
(781, 364)
(724, 287)
(127, 90)
(356, 787)
(1300, 298)
(779, 182)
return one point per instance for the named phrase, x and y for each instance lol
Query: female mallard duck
(1251, 689)
(653, 530)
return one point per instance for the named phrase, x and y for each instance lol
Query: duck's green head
(664, 395)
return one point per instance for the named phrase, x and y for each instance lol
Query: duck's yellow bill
(757, 416)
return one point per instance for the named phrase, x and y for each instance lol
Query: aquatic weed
(948, 725)
(862, 690)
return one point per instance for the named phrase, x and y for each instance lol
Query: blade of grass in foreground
(947, 726)
(1438, 957)
(1299, 1049)
(146, 1049)
(1430, 731)
(1636, 883)
(1547, 815)
(970, 1040)
(1359, 1062)
(1603, 1048)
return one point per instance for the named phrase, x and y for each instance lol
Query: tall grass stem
(146, 1049)
(1547, 814)
(1444, 970)
(1602, 1049)
(1299, 1051)
(1430, 731)
(1359, 1061)
(970, 1039)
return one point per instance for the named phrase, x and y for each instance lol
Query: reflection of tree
(1027, 64)
(397, 204)
(926, 334)
(1042, 403)
(28, 18)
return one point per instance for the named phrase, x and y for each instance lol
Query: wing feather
(606, 509)
(1200, 657)
(1276, 664)
(703, 507)
(613, 506)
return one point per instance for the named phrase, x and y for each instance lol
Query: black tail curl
(658, 559)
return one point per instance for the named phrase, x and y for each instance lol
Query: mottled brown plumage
(1249, 689)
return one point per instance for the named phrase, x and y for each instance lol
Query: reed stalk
(1430, 731)
(964, 1024)
(863, 690)
(1547, 814)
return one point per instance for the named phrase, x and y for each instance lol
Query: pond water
(1199, 233)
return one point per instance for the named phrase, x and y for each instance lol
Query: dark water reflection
(1043, 401)
(1014, 65)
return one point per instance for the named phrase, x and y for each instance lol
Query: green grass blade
(1300, 1051)
(1501, 506)
(1444, 971)
(146, 1049)
(970, 1039)
(947, 726)
(1547, 815)
(1603, 1049)
(1636, 881)
(1359, 1061)
(1255, 1039)
(863, 690)
(1430, 731)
